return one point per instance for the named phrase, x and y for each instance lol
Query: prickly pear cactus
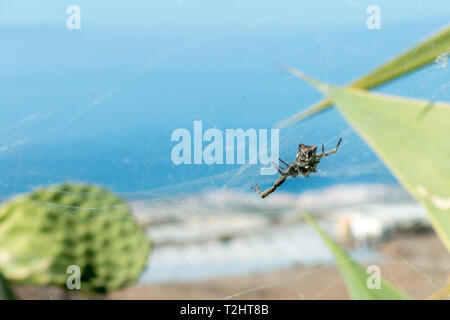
(45, 232)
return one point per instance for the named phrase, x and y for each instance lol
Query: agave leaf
(411, 136)
(355, 275)
(444, 293)
(5, 291)
(422, 54)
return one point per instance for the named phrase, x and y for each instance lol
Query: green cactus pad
(45, 232)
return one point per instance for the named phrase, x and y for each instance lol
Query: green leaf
(422, 54)
(5, 291)
(355, 275)
(411, 136)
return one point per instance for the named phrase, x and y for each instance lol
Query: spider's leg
(321, 155)
(256, 189)
(278, 166)
(281, 170)
(339, 142)
(268, 191)
(284, 162)
(292, 168)
(334, 150)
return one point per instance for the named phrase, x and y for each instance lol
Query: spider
(305, 162)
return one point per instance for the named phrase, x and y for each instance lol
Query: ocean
(99, 104)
